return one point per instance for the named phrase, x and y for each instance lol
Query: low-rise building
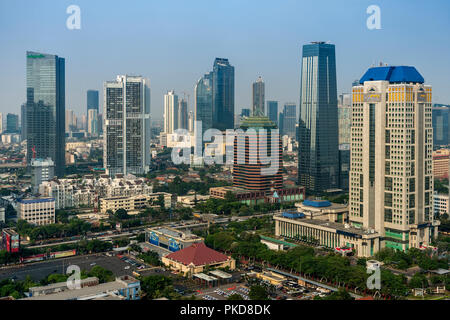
(251, 197)
(195, 258)
(123, 288)
(170, 239)
(41, 170)
(134, 204)
(441, 163)
(323, 210)
(38, 211)
(191, 200)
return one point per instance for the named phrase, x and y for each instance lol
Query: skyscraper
(12, 123)
(245, 112)
(318, 122)
(345, 117)
(391, 178)
(170, 112)
(182, 114)
(23, 121)
(126, 109)
(223, 94)
(93, 122)
(258, 97)
(272, 111)
(441, 134)
(204, 102)
(289, 120)
(45, 108)
(248, 166)
(92, 100)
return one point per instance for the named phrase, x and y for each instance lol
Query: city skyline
(88, 66)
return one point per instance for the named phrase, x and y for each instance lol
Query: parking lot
(40, 270)
(223, 292)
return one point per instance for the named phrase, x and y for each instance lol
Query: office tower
(391, 179)
(91, 100)
(281, 123)
(1, 122)
(247, 167)
(182, 114)
(170, 112)
(45, 108)
(84, 122)
(272, 111)
(344, 117)
(69, 120)
(318, 122)
(245, 112)
(258, 97)
(126, 110)
(191, 119)
(23, 121)
(100, 123)
(41, 170)
(204, 102)
(441, 128)
(93, 122)
(12, 123)
(289, 120)
(223, 94)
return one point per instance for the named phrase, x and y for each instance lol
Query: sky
(174, 42)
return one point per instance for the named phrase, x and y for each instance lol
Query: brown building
(249, 171)
(441, 163)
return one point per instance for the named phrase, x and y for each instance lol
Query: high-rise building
(272, 111)
(204, 102)
(182, 114)
(91, 100)
(1, 122)
(170, 112)
(258, 97)
(93, 122)
(248, 168)
(23, 121)
(345, 117)
(318, 122)
(391, 177)
(441, 126)
(12, 123)
(289, 120)
(223, 94)
(191, 119)
(245, 112)
(100, 123)
(45, 108)
(41, 170)
(126, 111)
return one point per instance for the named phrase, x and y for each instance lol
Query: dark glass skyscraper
(92, 100)
(223, 94)
(440, 116)
(272, 111)
(318, 124)
(45, 108)
(12, 123)
(289, 120)
(204, 102)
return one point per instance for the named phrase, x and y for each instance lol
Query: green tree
(258, 292)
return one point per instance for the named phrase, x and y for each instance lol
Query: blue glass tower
(223, 94)
(318, 123)
(272, 111)
(45, 108)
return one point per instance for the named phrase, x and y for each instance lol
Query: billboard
(62, 254)
(36, 257)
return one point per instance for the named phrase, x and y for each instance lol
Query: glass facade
(204, 102)
(223, 94)
(318, 122)
(272, 111)
(92, 100)
(440, 118)
(45, 108)
(289, 120)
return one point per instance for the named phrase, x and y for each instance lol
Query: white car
(127, 267)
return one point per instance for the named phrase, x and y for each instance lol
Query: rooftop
(398, 74)
(198, 254)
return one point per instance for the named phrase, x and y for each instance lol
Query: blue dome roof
(393, 75)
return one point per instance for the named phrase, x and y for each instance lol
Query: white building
(93, 122)
(391, 178)
(38, 211)
(170, 112)
(440, 204)
(126, 125)
(41, 170)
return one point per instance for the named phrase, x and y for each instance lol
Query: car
(93, 264)
(127, 267)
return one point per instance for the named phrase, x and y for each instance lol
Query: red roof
(198, 254)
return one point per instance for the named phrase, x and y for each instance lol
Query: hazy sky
(174, 43)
